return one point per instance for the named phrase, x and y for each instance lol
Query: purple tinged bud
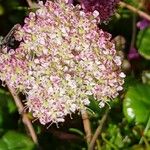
(143, 24)
(133, 54)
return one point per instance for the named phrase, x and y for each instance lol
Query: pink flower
(105, 8)
(63, 57)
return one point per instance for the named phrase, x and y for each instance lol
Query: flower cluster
(105, 8)
(63, 57)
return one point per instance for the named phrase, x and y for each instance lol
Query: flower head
(63, 57)
(105, 8)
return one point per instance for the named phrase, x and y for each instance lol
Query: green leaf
(143, 43)
(76, 131)
(148, 133)
(94, 106)
(7, 101)
(146, 77)
(1, 10)
(16, 141)
(3, 145)
(7, 109)
(136, 105)
(138, 147)
(115, 135)
(1, 117)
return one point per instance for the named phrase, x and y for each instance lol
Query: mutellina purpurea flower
(63, 57)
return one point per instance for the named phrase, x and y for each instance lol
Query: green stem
(109, 143)
(133, 31)
(98, 130)
(146, 143)
(98, 145)
(145, 130)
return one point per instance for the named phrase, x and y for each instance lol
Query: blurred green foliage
(12, 140)
(143, 42)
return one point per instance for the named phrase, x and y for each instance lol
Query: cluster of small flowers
(63, 57)
(106, 8)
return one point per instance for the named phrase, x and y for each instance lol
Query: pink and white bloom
(63, 57)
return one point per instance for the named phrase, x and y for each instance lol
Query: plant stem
(109, 143)
(145, 130)
(98, 145)
(133, 32)
(135, 10)
(98, 130)
(25, 118)
(87, 126)
(30, 3)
